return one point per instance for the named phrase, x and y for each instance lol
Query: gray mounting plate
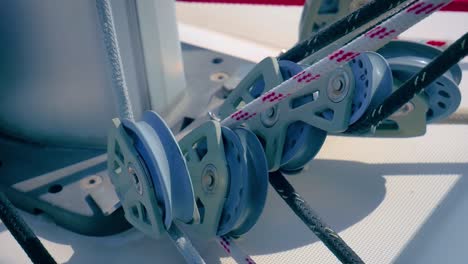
(62, 182)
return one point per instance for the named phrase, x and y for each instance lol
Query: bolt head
(208, 178)
(270, 116)
(338, 86)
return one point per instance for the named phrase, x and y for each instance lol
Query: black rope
(22, 233)
(441, 64)
(342, 27)
(302, 209)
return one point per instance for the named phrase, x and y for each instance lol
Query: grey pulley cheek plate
(401, 48)
(302, 141)
(407, 58)
(373, 83)
(166, 166)
(443, 95)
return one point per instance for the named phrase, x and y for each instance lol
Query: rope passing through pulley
(214, 180)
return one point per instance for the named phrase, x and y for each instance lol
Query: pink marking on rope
(236, 114)
(377, 32)
(250, 116)
(336, 54)
(342, 56)
(414, 7)
(424, 8)
(302, 76)
(387, 34)
(225, 240)
(370, 32)
(315, 77)
(267, 96)
(242, 115)
(277, 98)
(355, 55)
(226, 247)
(434, 8)
(381, 32)
(249, 260)
(348, 56)
(272, 96)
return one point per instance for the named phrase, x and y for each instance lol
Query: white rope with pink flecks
(227, 243)
(370, 41)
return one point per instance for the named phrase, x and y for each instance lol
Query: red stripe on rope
(251, 2)
(456, 5)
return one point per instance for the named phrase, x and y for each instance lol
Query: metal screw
(270, 116)
(338, 86)
(136, 181)
(208, 178)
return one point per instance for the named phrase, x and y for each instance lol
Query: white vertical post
(162, 54)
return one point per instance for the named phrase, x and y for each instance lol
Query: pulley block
(294, 130)
(229, 175)
(150, 174)
(272, 126)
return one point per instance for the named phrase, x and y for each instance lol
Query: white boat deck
(392, 200)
